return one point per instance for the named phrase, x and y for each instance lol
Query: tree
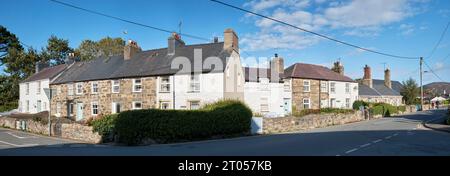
(7, 41)
(410, 91)
(105, 47)
(56, 50)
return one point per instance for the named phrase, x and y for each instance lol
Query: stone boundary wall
(63, 130)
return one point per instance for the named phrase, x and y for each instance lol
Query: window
(137, 105)
(264, 104)
(115, 86)
(306, 103)
(70, 89)
(165, 84)
(58, 90)
(137, 85)
(324, 103)
(287, 86)
(27, 106)
(306, 86)
(45, 106)
(27, 89)
(38, 88)
(193, 105)
(94, 87)
(323, 87)
(194, 84)
(94, 108)
(347, 102)
(347, 87)
(79, 88)
(58, 108)
(115, 108)
(70, 109)
(333, 87)
(164, 105)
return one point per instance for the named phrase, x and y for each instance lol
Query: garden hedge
(227, 117)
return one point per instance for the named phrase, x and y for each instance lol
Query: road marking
(365, 145)
(388, 137)
(15, 145)
(396, 134)
(352, 150)
(338, 155)
(376, 141)
(20, 137)
(78, 145)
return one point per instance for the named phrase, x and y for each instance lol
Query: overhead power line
(439, 41)
(315, 33)
(127, 21)
(432, 71)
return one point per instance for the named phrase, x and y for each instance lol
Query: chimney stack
(174, 42)
(216, 39)
(131, 49)
(367, 80)
(387, 78)
(231, 40)
(338, 68)
(40, 66)
(276, 68)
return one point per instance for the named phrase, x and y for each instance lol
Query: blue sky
(401, 27)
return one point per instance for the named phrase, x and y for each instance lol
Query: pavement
(399, 136)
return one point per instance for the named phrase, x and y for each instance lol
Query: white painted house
(32, 98)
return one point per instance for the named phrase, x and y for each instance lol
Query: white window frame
(194, 82)
(164, 102)
(333, 87)
(58, 108)
(27, 89)
(347, 88)
(191, 102)
(114, 107)
(79, 90)
(58, 90)
(324, 87)
(306, 87)
(161, 84)
(115, 85)
(94, 88)
(264, 106)
(70, 89)
(70, 108)
(94, 103)
(347, 102)
(287, 86)
(309, 103)
(38, 88)
(135, 84)
(134, 105)
(27, 103)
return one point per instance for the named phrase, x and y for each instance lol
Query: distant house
(152, 79)
(379, 91)
(315, 87)
(32, 98)
(266, 92)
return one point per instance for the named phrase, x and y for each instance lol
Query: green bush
(8, 106)
(401, 108)
(386, 110)
(105, 126)
(227, 117)
(322, 111)
(358, 104)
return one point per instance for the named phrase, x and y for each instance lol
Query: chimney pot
(216, 39)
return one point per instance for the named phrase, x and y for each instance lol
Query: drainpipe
(173, 91)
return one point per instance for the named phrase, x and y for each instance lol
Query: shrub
(226, 117)
(386, 110)
(358, 104)
(401, 108)
(105, 126)
(8, 106)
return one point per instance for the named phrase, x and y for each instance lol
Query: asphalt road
(401, 136)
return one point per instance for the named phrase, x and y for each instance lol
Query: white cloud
(406, 29)
(360, 18)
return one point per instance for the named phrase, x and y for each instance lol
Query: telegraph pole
(421, 83)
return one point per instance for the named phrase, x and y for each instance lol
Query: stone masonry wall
(105, 97)
(314, 94)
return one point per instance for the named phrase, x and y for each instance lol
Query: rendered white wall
(33, 96)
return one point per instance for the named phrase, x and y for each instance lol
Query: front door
(79, 111)
(38, 106)
(287, 106)
(332, 103)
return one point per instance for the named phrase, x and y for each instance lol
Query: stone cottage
(379, 91)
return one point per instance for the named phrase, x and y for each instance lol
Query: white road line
(365, 145)
(396, 134)
(20, 137)
(388, 137)
(15, 145)
(338, 155)
(352, 150)
(376, 141)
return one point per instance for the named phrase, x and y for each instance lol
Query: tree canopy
(56, 50)
(105, 47)
(410, 91)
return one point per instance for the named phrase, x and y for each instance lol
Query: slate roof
(257, 73)
(46, 73)
(309, 71)
(146, 63)
(378, 89)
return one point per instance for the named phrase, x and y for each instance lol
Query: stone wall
(104, 97)
(290, 124)
(72, 131)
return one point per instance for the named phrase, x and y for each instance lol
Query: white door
(333, 103)
(38, 106)
(79, 111)
(287, 106)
